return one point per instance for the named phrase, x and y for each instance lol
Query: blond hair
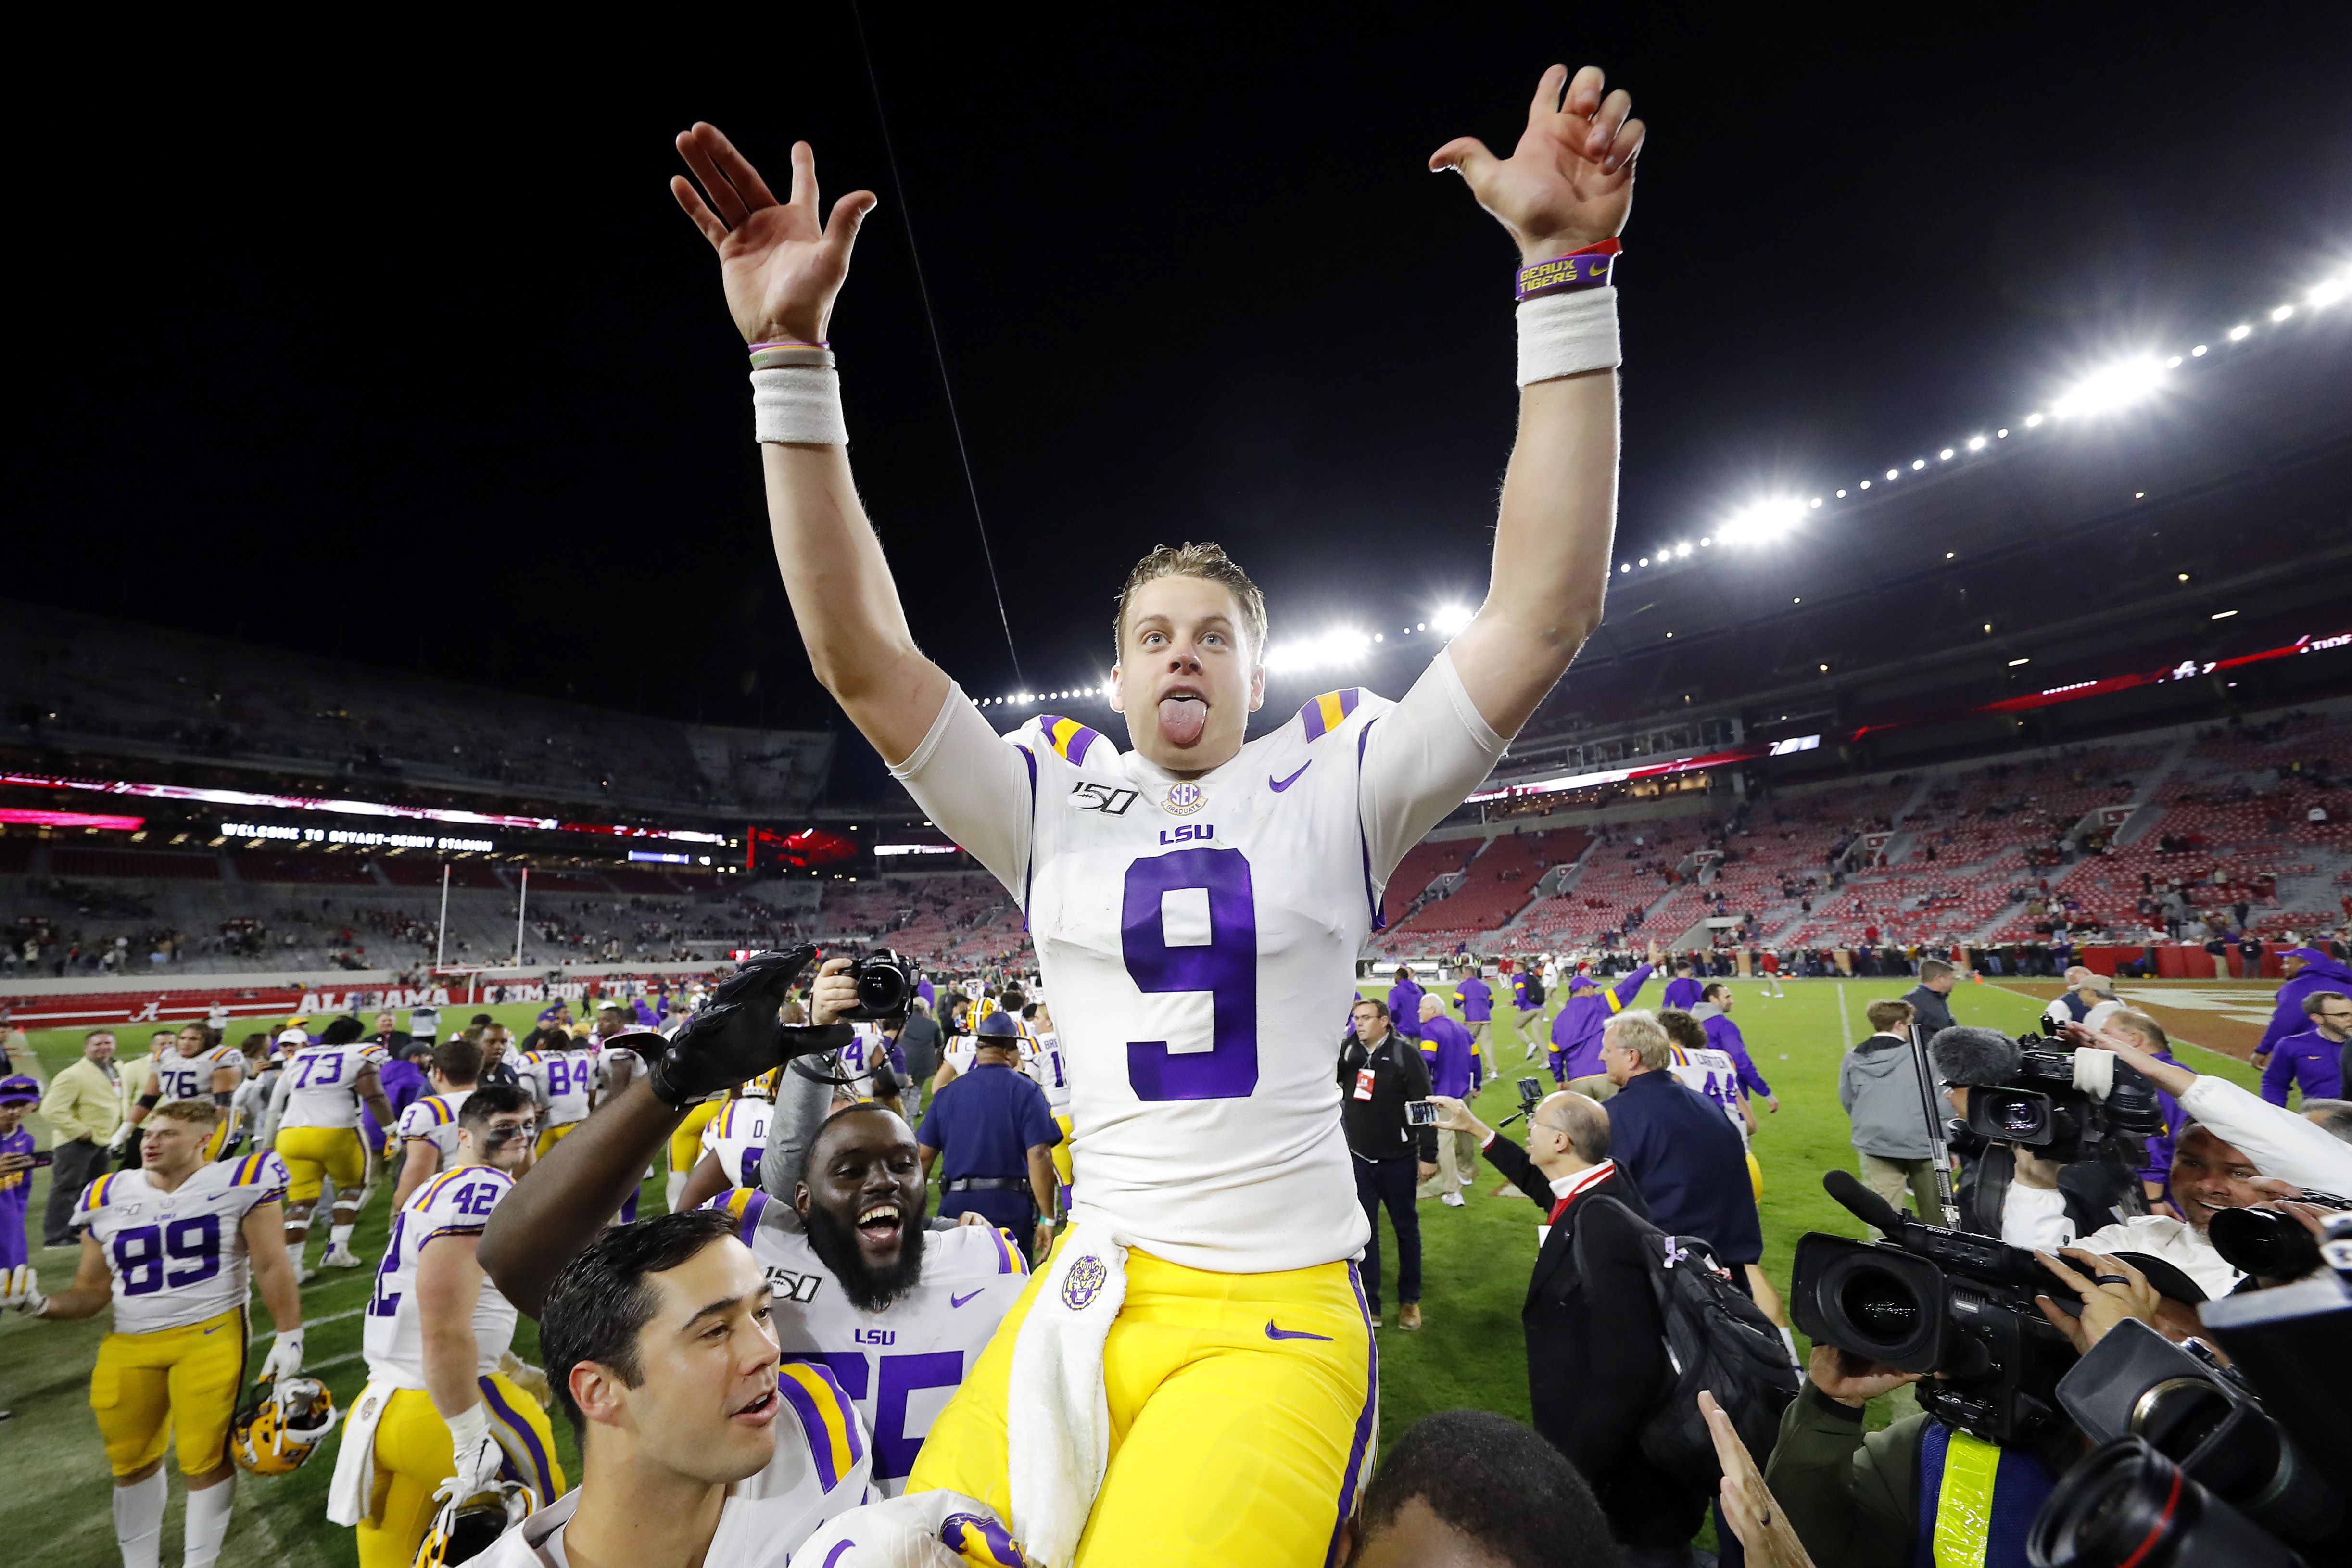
(1889, 1016)
(203, 1112)
(1639, 1032)
(1205, 561)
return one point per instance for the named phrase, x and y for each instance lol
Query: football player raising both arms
(1197, 901)
(175, 1246)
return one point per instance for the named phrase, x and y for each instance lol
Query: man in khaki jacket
(83, 1107)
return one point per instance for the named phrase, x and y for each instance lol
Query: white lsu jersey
(177, 1076)
(434, 1120)
(1715, 1075)
(179, 1257)
(902, 1365)
(1041, 1058)
(562, 1081)
(737, 1136)
(320, 1083)
(1198, 936)
(455, 1203)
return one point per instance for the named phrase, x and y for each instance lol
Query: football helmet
(283, 1426)
(466, 1526)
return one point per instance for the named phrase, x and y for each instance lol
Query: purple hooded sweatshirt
(1576, 1033)
(2320, 972)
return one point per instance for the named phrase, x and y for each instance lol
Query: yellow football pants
(413, 1458)
(311, 1152)
(550, 1137)
(176, 1382)
(1242, 1413)
(686, 1143)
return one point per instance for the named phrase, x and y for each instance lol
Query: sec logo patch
(1183, 798)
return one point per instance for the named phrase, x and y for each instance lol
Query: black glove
(734, 1037)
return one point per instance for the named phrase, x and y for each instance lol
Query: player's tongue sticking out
(1183, 717)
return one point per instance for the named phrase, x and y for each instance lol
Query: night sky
(404, 352)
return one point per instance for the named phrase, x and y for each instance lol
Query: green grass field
(55, 1510)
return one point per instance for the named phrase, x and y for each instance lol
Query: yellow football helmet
(283, 1428)
(465, 1528)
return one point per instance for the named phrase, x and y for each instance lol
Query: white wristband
(799, 403)
(1568, 335)
(468, 1427)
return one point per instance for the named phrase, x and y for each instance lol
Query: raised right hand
(780, 269)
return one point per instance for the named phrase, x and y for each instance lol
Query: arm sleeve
(1737, 1045)
(2287, 1020)
(1419, 759)
(1837, 1486)
(2280, 1143)
(979, 789)
(2277, 1077)
(801, 1103)
(1512, 1160)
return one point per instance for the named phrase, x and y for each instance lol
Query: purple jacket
(1724, 1036)
(1576, 1033)
(1446, 1046)
(2320, 972)
(1477, 1000)
(404, 1085)
(1404, 1009)
(2311, 1060)
(1685, 992)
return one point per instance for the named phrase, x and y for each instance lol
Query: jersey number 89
(144, 1254)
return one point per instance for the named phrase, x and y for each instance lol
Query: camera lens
(2264, 1243)
(1881, 1308)
(2127, 1504)
(2018, 1117)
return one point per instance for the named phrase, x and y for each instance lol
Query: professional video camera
(886, 986)
(2203, 1465)
(1929, 1298)
(2042, 1094)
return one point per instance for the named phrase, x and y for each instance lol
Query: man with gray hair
(1676, 1146)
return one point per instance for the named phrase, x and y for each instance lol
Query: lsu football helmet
(466, 1526)
(283, 1426)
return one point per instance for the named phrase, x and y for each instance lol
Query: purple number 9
(1225, 965)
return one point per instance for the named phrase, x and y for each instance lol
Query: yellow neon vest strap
(1964, 1502)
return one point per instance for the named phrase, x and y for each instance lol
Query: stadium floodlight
(2199, 352)
(1644, 561)
(1917, 464)
(2173, 362)
(2002, 434)
(2221, 614)
(2015, 662)
(1943, 456)
(1682, 550)
(2327, 293)
(2031, 420)
(1892, 472)
(2281, 313)
(1841, 495)
(2124, 383)
(1976, 443)
(1622, 566)
(1705, 540)
(1450, 618)
(1340, 647)
(1865, 484)
(1763, 521)
(1817, 503)
(2241, 333)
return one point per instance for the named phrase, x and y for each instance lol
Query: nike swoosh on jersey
(1271, 1331)
(956, 1300)
(1278, 785)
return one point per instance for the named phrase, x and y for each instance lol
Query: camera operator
(1596, 1341)
(2011, 1190)
(1920, 1490)
(2278, 1142)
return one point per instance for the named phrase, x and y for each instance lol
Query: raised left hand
(1569, 182)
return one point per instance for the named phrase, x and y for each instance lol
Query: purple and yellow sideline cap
(20, 1090)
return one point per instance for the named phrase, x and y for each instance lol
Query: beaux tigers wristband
(1590, 267)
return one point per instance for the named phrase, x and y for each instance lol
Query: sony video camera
(1928, 1298)
(2064, 1104)
(886, 986)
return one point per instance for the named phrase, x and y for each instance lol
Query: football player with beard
(898, 1315)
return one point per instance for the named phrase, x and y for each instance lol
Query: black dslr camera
(1928, 1298)
(886, 986)
(2064, 1104)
